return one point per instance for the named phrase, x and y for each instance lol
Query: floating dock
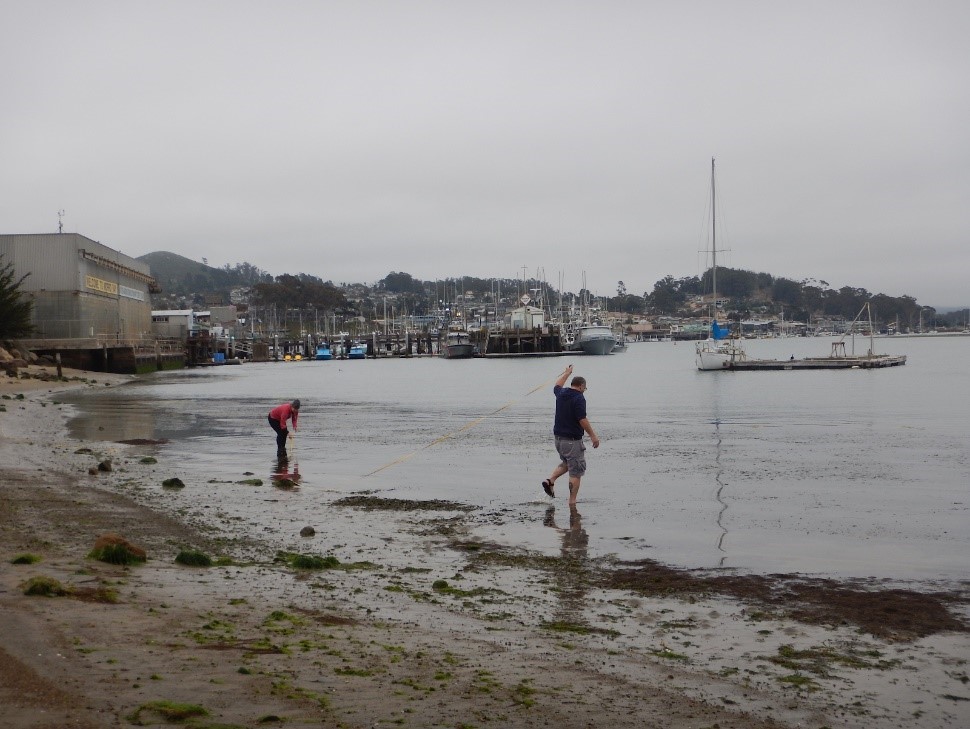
(868, 362)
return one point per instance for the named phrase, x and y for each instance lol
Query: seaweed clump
(167, 711)
(45, 587)
(376, 503)
(313, 562)
(193, 558)
(114, 549)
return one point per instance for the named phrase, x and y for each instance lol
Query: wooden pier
(537, 342)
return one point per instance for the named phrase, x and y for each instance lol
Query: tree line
(745, 294)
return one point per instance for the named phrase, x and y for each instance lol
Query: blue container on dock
(219, 358)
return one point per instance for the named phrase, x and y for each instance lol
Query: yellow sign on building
(100, 285)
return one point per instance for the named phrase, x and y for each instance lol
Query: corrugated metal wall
(115, 301)
(56, 315)
(51, 260)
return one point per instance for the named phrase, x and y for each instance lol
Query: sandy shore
(434, 629)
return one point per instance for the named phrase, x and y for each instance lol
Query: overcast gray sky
(351, 139)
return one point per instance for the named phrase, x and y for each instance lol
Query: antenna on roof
(60, 221)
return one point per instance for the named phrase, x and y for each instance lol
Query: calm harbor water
(845, 473)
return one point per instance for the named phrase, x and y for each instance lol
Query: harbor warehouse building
(81, 289)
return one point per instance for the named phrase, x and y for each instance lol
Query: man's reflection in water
(575, 540)
(572, 579)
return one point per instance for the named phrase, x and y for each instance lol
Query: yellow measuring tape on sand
(462, 429)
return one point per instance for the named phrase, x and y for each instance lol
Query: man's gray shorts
(573, 454)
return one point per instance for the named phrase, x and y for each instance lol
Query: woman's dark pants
(281, 434)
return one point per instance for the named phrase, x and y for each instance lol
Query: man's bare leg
(549, 484)
(559, 471)
(573, 489)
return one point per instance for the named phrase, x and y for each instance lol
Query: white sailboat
(720, 350)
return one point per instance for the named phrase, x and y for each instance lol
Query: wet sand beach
(407, 618)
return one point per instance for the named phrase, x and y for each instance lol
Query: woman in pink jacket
(277, 421)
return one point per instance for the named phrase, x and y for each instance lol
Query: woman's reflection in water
(282, 471)
(572, 579)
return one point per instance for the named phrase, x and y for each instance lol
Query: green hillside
(181, 276)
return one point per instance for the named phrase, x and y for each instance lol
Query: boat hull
(597, 346)
(459, 351)
(597, 340)
(719, 355)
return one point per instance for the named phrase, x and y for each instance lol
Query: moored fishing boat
(593, 339)
(458, 345)
(621, 343)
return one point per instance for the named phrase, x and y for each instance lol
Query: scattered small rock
(307, 531)
(13, 366)
(173, 483)
(105, 465)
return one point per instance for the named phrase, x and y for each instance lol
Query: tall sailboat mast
(713, 353)
(713, 244)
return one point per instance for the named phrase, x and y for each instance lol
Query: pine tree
(15, 309)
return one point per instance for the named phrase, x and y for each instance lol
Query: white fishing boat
(458, 345)
(593, 339)
(585, 334)
(721, 350)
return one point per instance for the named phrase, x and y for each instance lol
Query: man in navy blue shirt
(571, 423)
